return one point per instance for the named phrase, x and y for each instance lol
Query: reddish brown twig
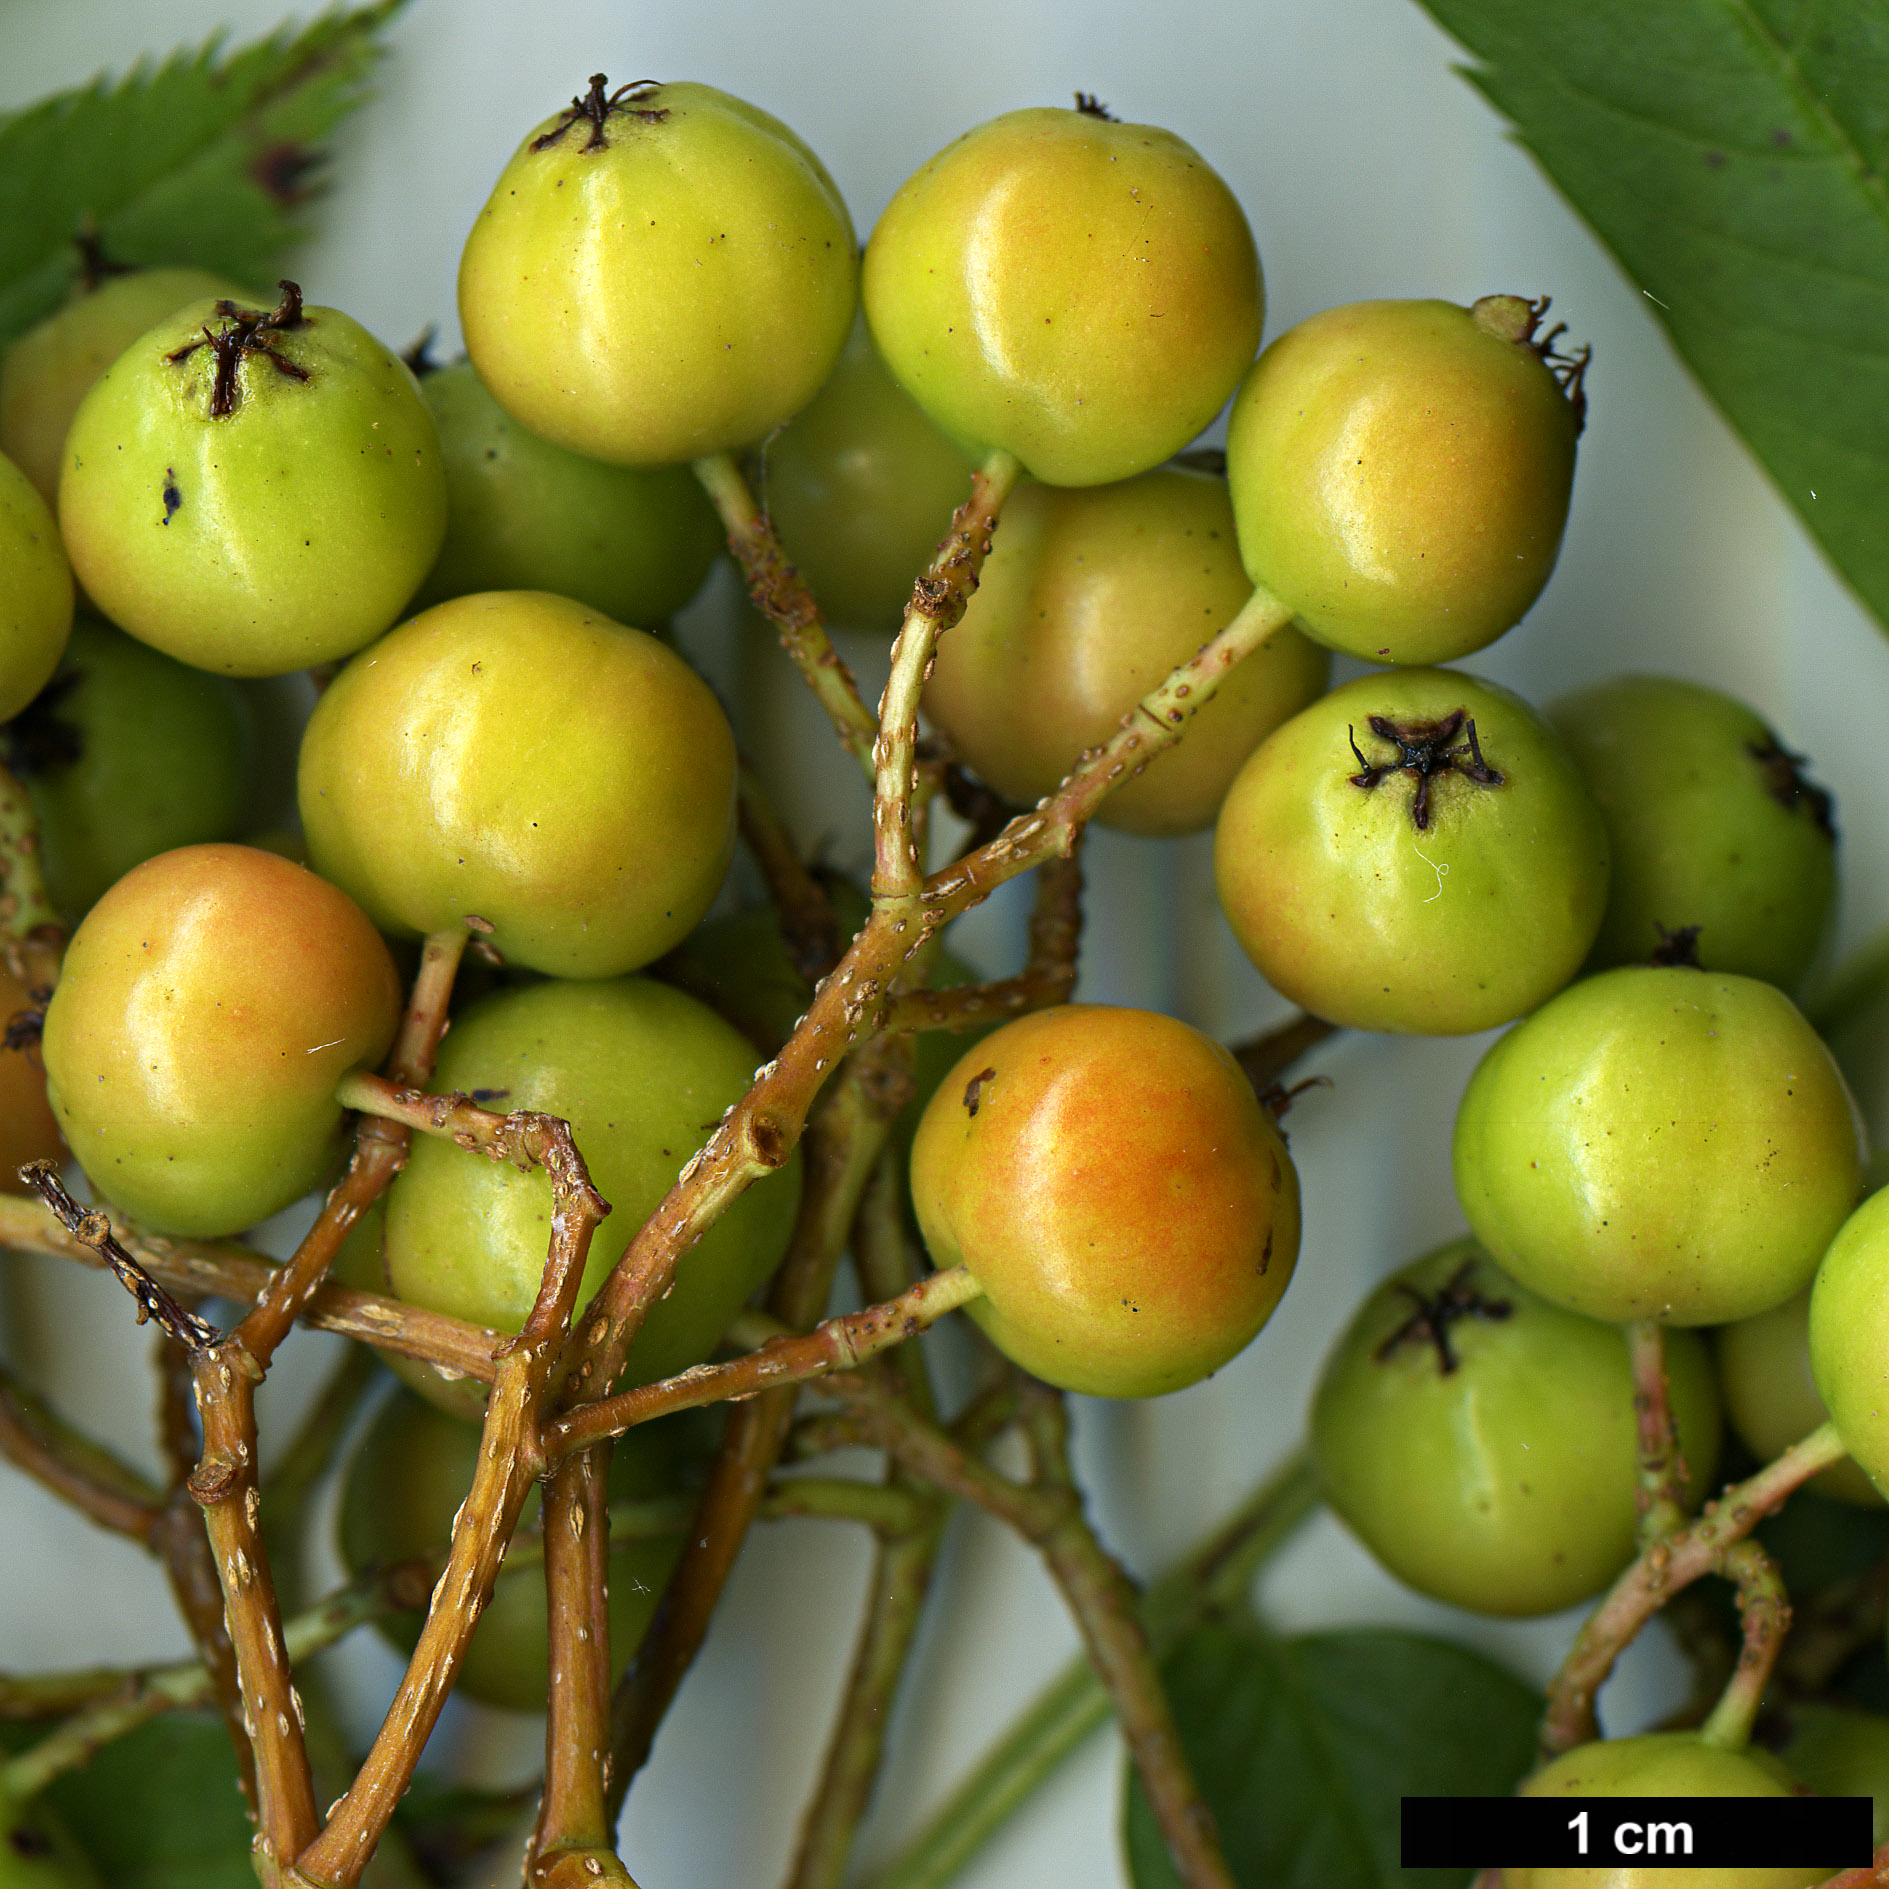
(938, 601)
(1661, 1571)
(1266, 1058)
(380, 1148)
(1048, 976)
(759, 1132)
(1874, 1875)
(1660, 1496)
(217, 1269)
(781, 595)
(105, 1490)
(1764, 1614)
(1099, 1595)
(904, 1559)
(29, 927)
(841, 1146)
(573, 1836)
(509, 1462)
(837, 1344)
(93, 1229)
(809, 923)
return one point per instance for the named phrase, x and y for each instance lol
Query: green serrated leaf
(160, 1809)
(1304, 1748)
(1731, 154)
(209, 157)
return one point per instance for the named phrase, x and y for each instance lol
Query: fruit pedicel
(515, 777)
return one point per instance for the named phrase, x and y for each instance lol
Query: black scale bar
(1831, 1833)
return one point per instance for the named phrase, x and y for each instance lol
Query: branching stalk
(509, 1463)
(938, 600)
(809, 924)
(218, 1269)
(1098, 1594)
(1048, 976)
(904, 1560)
(781, 595)
(838, 1344)
(759, 1132)
(1764, 1613)
(842, 1145)
(1661, 1570)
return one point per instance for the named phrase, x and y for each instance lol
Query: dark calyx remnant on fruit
(246, 331)
(1092, 107)
(37, 740)
(1425, 750)
(24, 1028)
(95, 267)
(1515, 318)
(1677, 950)
(595, 107)
(1432, 1316)
(418, 356)
(1784, 782)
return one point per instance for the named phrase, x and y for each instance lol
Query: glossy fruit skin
(133, 755)
(517, 757)
(1110, 1180)
(642, 1073)
(209, 1004)
(1659, 1143)
(522, 514)
(1771, 1396)
(1087, 600)
(408, 1477)
(861, 488)
(290, 531)
(1842, 1754)
(1849, 1347)
(28, 1131)
(1659, 1764)
(1711, 826)
(36, 594)
(679, 290)
(1505, 1484)
(1082, 294)
(48, 371)
(1365, 918)
(1401, 477)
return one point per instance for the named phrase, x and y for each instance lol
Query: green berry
(1401, 473)
(1414, 852)
(127, 754)
(522, 514)
(1659, 1143)
(35, 592)
(643, 1074)
(50, 369)
(1482, 1442)
(659, 274)
(1081, 293)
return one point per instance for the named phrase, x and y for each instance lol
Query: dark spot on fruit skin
(973, 1090)
(172, 496)
(26, 1841)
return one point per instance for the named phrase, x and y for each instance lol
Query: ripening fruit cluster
(478, 564)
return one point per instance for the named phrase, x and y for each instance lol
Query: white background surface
(1367, 168)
